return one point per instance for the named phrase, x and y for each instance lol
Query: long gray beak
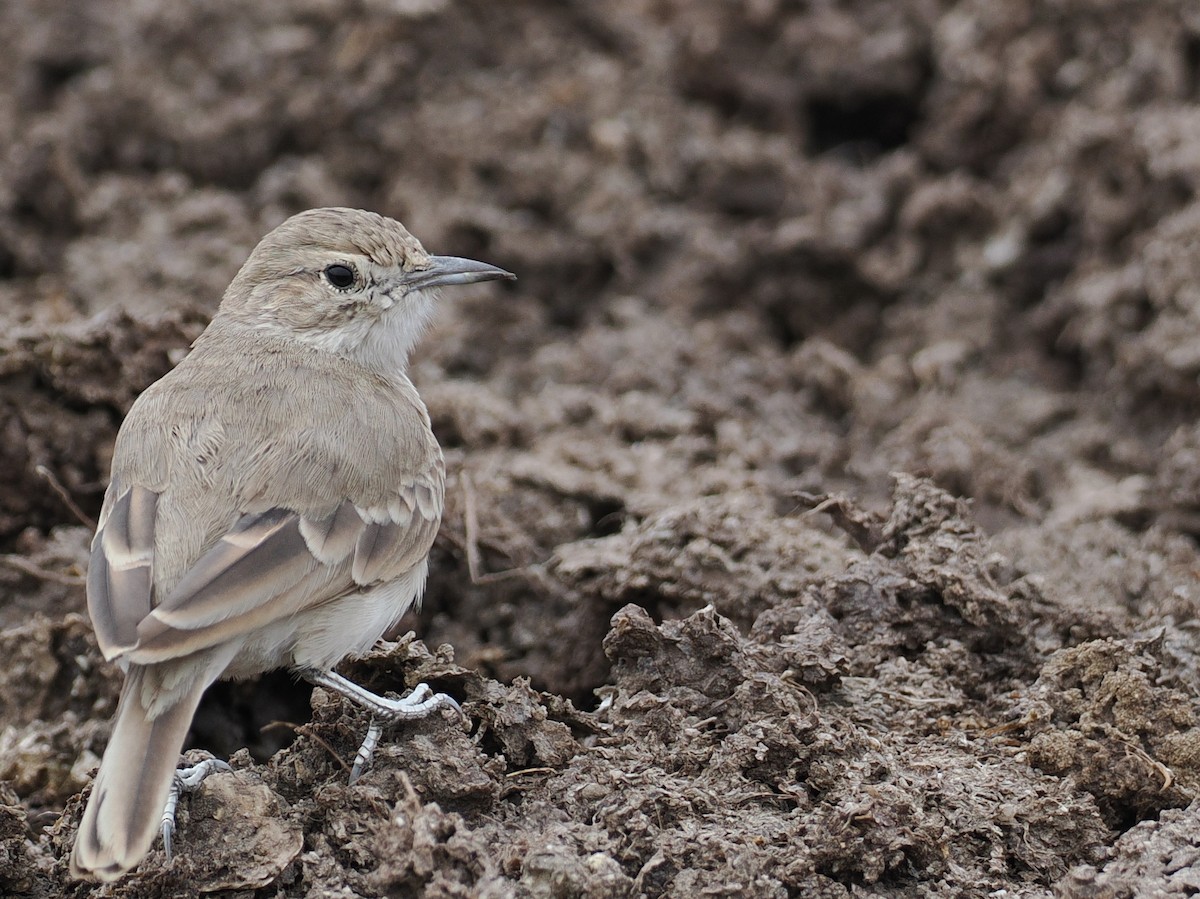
(448, 270)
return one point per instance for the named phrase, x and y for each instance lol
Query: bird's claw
(186, 780)
(417, 704)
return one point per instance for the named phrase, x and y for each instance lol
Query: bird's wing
(120, 581)
(377, 510)
(270, 565)
(273, 564)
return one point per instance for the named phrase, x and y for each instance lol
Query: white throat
(381, 343)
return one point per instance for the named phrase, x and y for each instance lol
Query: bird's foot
(417, 704)
(186, 780)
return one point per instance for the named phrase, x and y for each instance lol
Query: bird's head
(348, 281)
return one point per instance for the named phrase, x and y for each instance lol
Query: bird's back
(265, 442)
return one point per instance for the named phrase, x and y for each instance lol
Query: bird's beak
(448, 270)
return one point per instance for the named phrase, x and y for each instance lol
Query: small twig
(470, 543)
(471, 526)
(20, 563)
(863, 528)
(525, 771)
(316, 738)
(280, 725)
(57, 487)
(1162, 770)
(411, 798)
(493, 576)
(781, 797)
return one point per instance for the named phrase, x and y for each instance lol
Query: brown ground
(824, 497)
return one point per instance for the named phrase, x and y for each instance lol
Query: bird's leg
(186, 780)
(417, 704)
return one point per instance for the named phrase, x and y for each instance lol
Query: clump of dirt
(822, 506)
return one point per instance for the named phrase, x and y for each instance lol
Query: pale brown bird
(272, 504)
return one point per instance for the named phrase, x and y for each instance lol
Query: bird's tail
(125, 810)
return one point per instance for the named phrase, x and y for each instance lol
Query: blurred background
(819, 167)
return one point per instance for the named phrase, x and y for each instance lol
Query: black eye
(340, 276)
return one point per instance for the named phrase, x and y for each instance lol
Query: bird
(272, 504)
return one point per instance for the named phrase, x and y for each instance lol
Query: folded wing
(269, 566)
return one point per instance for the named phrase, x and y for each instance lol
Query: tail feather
(124, 812)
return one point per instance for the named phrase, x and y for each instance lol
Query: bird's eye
(340, 276)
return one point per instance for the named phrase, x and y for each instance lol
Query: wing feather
(385, 551)
(276, 564)
(261, 556)
(120, 583)
(331, 539)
